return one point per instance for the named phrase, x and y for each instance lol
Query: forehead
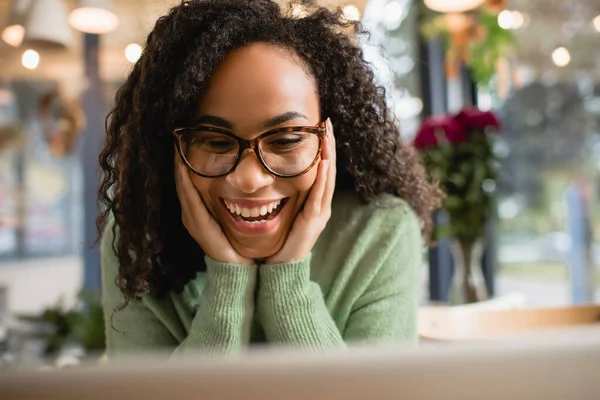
(258, 82)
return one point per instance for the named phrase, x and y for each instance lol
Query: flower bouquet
(457, 151)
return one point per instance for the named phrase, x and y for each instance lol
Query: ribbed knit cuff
(284, 298)
(284, 282)
(291, 307)
(222, 322)
(231, 283)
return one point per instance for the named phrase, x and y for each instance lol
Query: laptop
(562, 365)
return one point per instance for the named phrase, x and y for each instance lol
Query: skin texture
(252, 86)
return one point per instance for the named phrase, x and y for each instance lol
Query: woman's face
(257, 88)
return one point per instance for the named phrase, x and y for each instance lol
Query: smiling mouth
(255, 215)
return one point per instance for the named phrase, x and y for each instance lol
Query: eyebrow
(216, 121)
(280, 119)
(270, 123)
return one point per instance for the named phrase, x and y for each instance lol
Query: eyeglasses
(214, 152)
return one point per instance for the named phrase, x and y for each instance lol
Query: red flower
(436, 129)
(474, 118)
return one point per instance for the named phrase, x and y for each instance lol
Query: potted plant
(81, 327)
(457, 151)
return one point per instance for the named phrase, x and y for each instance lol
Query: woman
(289, 212)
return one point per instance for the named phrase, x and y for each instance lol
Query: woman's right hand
(198, 221)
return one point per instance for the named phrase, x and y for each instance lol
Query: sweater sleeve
(292, 308)
(387, 311)
(221, 324)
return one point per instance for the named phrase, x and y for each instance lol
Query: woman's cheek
(203, 187)
(305, 182)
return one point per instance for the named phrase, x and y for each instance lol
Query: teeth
(254, 212)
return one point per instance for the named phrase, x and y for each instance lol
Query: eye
(212, 142)
(287, 141)
(219, 144)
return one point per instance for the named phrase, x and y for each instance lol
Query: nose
(249, 176)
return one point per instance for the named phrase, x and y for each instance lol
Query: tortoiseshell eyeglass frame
(320, 130)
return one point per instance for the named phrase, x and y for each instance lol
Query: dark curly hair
(155, 251)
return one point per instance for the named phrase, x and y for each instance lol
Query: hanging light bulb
(94, 16)
(450, 6)
(133, 52)
(30, 59)
(14, 29)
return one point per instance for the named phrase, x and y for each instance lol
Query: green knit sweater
(361, 283)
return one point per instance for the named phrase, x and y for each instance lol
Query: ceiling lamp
(14, 28)
(46, 25)
(94, 16)
(453, 6)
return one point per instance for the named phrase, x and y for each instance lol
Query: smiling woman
(259, 86)
(257, 190)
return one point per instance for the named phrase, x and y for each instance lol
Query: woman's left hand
(311, 221)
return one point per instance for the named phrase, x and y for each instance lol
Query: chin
(257, 253)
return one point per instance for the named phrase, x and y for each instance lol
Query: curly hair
(179, 58)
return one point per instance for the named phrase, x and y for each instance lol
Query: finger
(177, 172)
(331, 156)
(331, 148)
(194, 204)
(314, 201)
(326, 152)
(192, 196)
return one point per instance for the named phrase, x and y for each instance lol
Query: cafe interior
(513, 311)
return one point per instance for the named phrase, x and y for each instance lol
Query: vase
(468, 283)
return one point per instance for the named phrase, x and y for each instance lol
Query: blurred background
(62, 61)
